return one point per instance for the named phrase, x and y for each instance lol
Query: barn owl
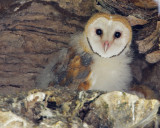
(102, 59)
(98, 58)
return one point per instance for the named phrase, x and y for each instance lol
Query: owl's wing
(48, 75)
(77, 73)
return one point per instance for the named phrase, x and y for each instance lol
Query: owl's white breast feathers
(110, 74)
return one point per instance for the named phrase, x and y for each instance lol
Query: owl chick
(102, 61)
(158, 3)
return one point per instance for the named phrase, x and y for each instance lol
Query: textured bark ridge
(34, 33)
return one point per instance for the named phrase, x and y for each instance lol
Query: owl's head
(108, 35)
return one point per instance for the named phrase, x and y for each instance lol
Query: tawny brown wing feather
(78, 72)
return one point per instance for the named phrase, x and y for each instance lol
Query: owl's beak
(106, 45)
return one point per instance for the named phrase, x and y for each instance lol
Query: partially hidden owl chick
(158, 4)
(104, 45)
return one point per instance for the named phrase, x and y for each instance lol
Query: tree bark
(33, 31)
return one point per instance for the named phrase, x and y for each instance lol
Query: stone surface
(149, 42)
(152, 80)
(122, 110)
(136, 21)
(145, 4)
(63, 108)
(153, 57)
(11, 120)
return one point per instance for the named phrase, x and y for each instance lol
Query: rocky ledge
(65, 108)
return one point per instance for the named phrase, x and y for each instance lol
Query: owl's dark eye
(117, 34)
(99, 32)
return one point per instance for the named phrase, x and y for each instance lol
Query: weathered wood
(33, 31)
(31, 34)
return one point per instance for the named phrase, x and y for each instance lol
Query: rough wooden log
(31, 34)
(33, 31)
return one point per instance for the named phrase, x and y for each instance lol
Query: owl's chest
(110, 74)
